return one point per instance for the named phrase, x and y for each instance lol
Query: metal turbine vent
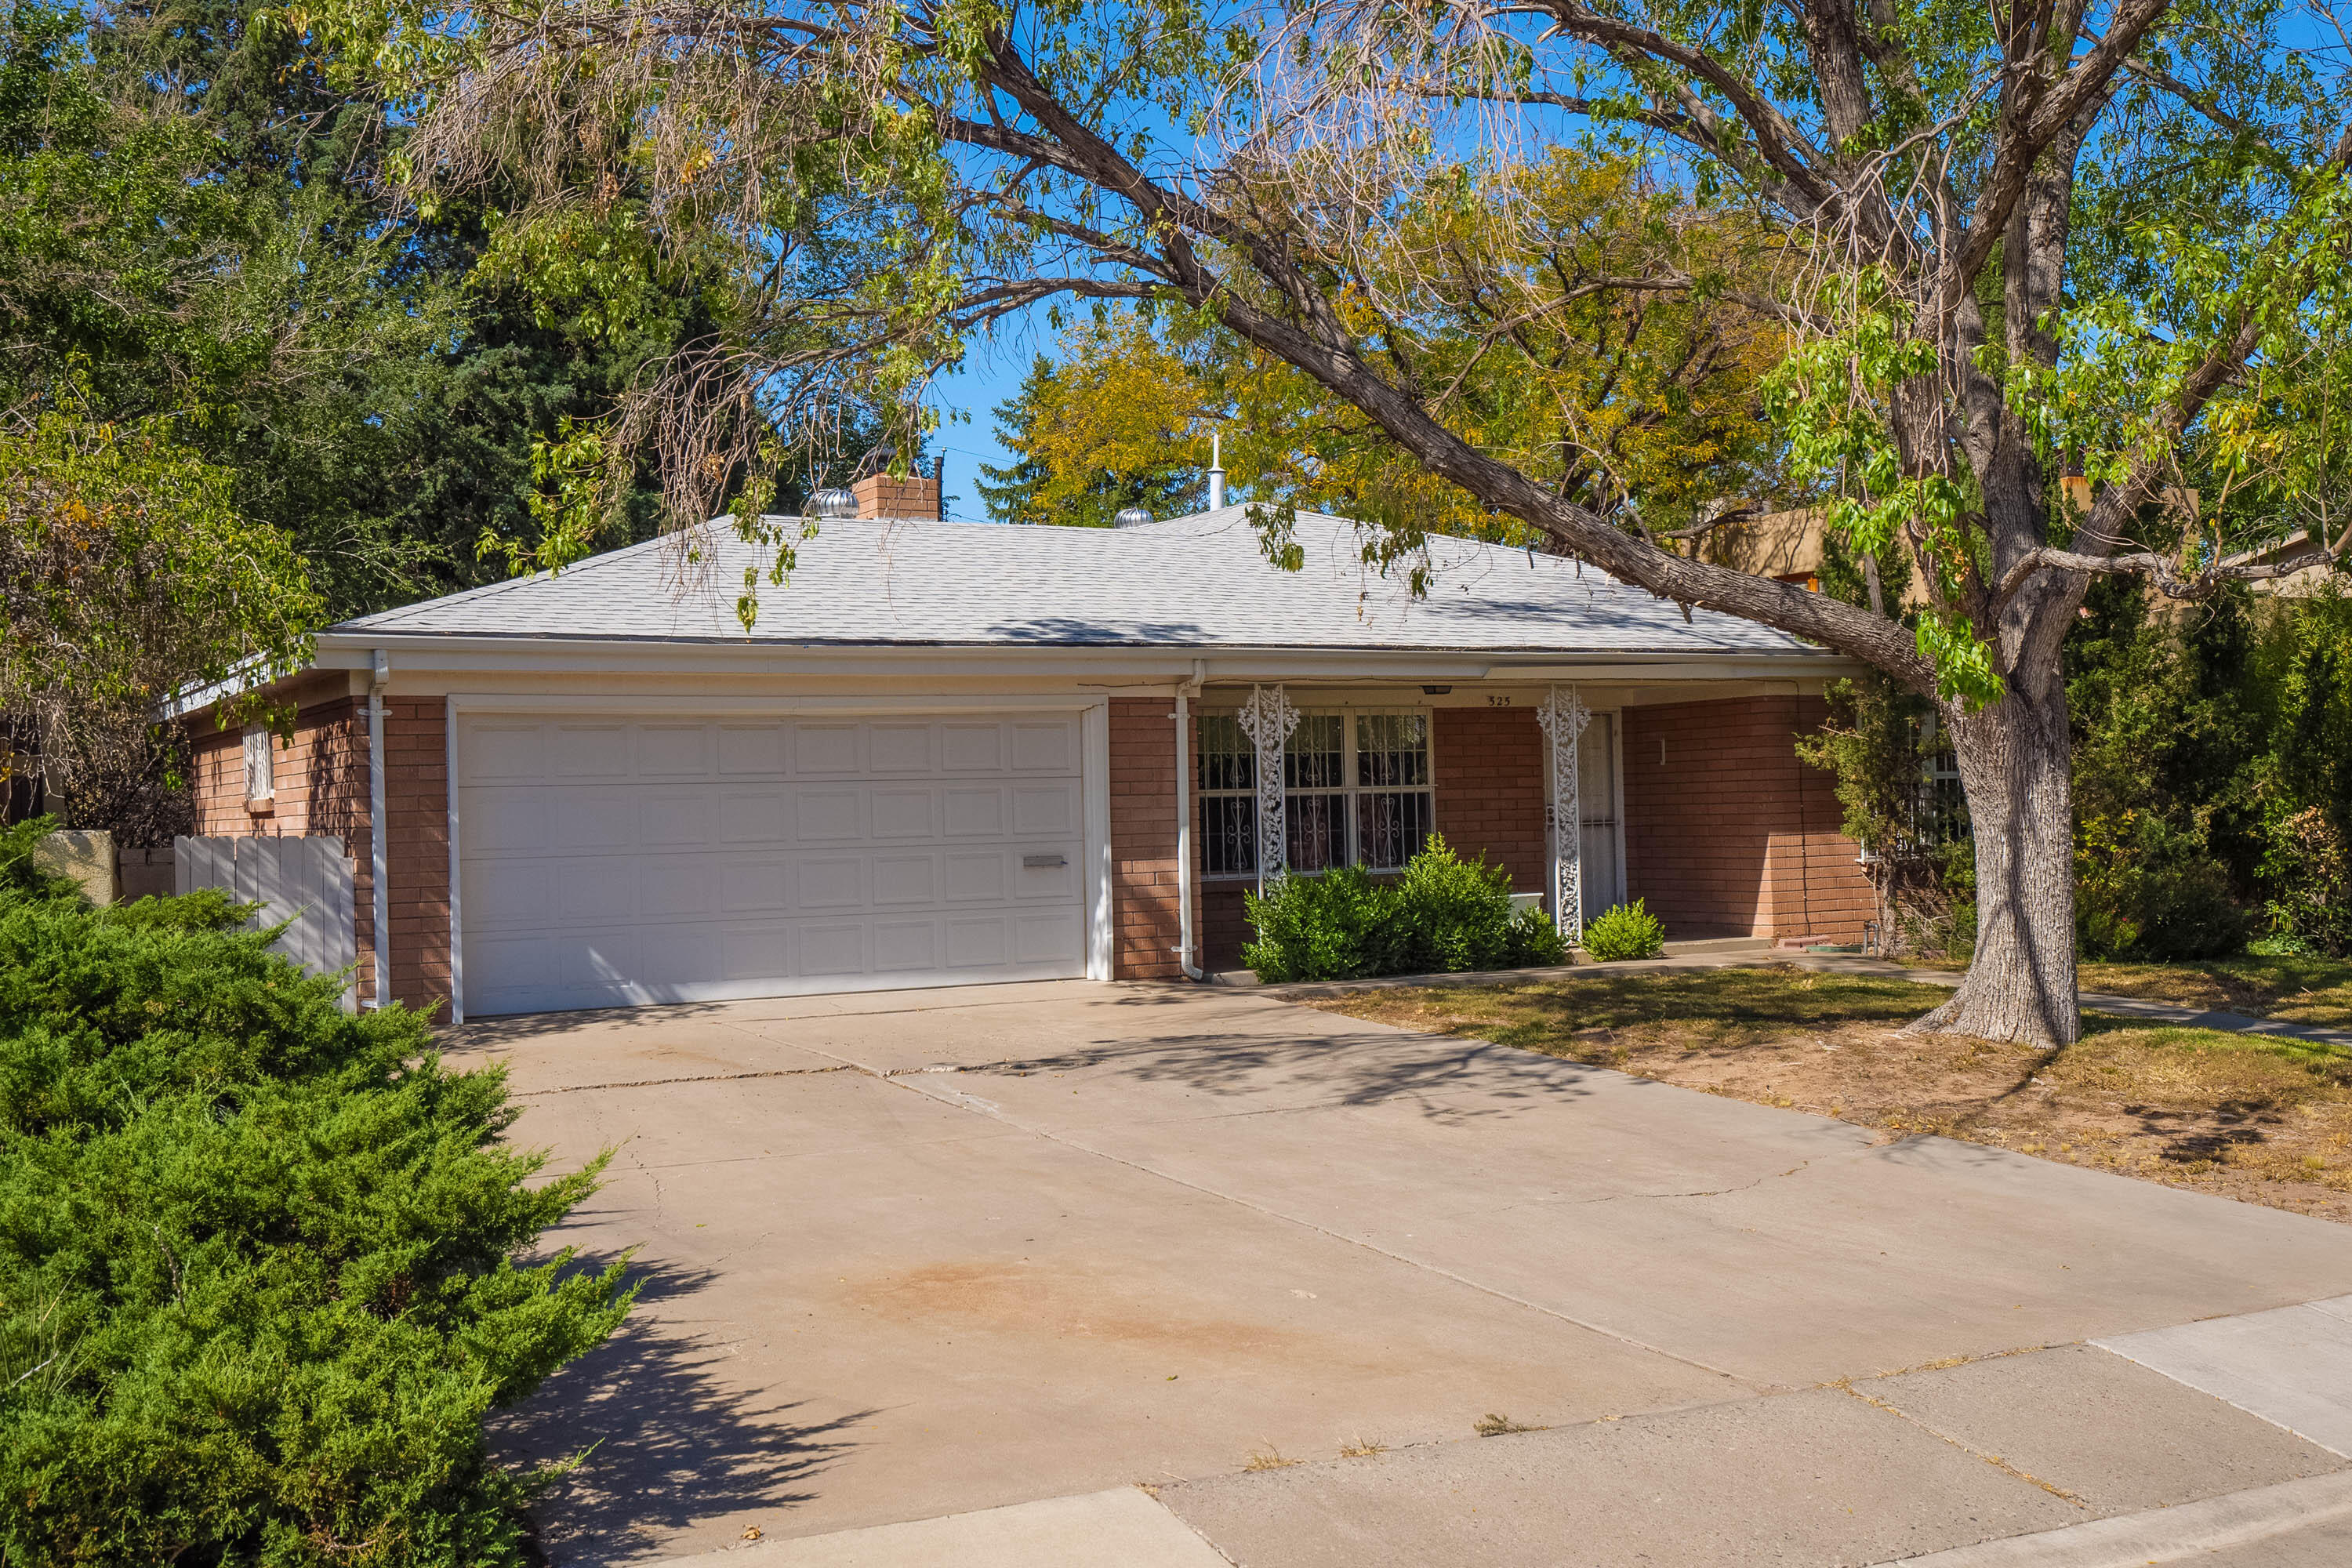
(832, 502)
(1130, 516)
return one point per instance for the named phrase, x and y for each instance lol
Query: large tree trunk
(2016, 762)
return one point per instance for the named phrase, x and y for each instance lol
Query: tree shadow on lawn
(666, 1442)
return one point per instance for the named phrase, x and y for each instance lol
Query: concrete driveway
(915, 1254)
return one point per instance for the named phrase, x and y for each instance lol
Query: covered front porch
(1688, 795)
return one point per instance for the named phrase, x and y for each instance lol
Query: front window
(1356, 787)
(260, 765)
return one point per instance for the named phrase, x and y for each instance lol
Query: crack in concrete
(694, 1078)
(1995, 1460)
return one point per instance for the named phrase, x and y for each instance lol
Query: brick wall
(1729, 835)
(1490, 788)
(319, 788)
(1146, 922)
(416, 844)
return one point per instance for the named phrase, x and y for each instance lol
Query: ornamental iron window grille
(1355, 788)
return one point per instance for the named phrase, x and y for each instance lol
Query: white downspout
(379, 857)
(1184, 946)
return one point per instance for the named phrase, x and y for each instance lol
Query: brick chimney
(880, 495)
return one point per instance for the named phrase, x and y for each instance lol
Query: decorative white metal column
(1267, 718)
(1563, 717)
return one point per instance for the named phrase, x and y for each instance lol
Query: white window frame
(261, 762)
(1351, 790)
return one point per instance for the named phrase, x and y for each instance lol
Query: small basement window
(261, 764)
(1356, 788)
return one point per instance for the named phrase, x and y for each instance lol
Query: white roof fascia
(454, 654)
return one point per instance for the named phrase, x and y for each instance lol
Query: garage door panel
(1041, 937)
(1046, 883)
(904, 813)
(584, 751)
(838, 882)
(590, 889)
(748, 816)
(828, 815)
(976, 943)
(751, 749)
(833, 950)
(905, 946)
(667, 751)
(504, 822)
(1046, 809)
(676, 821)
(676, 889)
(1044, 747)
(971, 748)
(655, 859)
(821, 749)
(974, 812)
(899, 748)
(753, 952)
(676, 958)
(973, 877)
(591, 818)
(762, 886)
(512, 753)
(905, 879)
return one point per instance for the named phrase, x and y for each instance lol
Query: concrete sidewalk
(913, 1258)
(2064, 1459)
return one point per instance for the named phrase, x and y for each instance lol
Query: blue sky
(992, 374)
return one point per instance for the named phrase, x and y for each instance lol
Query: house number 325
(1499, 702)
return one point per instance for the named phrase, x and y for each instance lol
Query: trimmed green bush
(258, 1286)
(1628, 931)
(1441, 913)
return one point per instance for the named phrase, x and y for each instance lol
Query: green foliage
(258, 1286)
(1628, 931)
(1456, 915)
(126, 575)
(2309, 865)
(1441, 913)
(2146, 888)
(1340, 924)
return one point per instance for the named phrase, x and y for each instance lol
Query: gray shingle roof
(1191, 582)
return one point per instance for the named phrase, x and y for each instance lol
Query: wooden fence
(306, 880)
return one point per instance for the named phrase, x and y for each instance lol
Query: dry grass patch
(2266, 1121)
(2313, 990)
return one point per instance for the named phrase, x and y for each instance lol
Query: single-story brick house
(954, 752)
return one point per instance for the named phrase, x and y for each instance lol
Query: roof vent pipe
(1216, 471)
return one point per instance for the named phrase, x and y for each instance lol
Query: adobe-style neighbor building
(951, 752)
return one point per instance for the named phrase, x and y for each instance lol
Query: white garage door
(612, 862)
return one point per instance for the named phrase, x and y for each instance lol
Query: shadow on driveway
(666, 1443)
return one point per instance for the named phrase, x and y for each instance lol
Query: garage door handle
(1039, 862)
